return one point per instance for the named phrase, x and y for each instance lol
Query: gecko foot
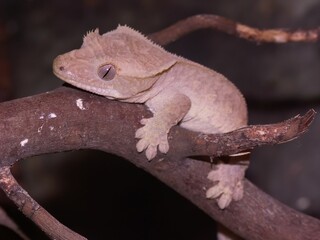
(229, 183)
(153, 135)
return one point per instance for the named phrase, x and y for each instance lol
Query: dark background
(104, 197)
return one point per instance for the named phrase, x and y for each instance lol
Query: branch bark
(53, 122)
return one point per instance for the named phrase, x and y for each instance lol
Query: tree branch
(202, 21)
(32, 209)
(54, 122)
(29, 128)
(6, 221)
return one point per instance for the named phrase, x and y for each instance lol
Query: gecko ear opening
(106, 72)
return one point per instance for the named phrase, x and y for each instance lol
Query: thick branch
(26, 132)
(202, 21)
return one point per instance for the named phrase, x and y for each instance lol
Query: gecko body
(124, 65)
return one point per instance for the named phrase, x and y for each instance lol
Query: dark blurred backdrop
(104, 197)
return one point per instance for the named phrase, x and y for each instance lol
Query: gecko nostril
(61, 68)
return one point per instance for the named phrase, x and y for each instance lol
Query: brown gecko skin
(126, 66)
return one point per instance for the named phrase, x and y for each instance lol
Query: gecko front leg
(168, 107)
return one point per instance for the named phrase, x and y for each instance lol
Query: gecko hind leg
(229, 180)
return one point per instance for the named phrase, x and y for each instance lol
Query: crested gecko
(126, 66)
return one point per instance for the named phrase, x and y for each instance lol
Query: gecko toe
(144, 121)
(141, 145)
(238, 192)
(139, 133)
(164, 147)
(214, 191)
(151, 152)
(224, 201)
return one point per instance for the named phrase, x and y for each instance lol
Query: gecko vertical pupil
(106, 72)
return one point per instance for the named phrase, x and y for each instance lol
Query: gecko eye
(106, 72)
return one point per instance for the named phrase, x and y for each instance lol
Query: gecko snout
(58, 63)
(59, 66)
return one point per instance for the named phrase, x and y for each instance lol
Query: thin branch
(248, 137)
(6, 221)
(33, 210)
(202, 21)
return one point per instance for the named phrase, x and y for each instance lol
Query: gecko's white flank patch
(24, 142)
(52, 115)
(79, 103)
(51, 128)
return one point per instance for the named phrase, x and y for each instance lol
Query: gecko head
(119, 64)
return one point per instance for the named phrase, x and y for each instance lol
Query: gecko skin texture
(124, 65)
